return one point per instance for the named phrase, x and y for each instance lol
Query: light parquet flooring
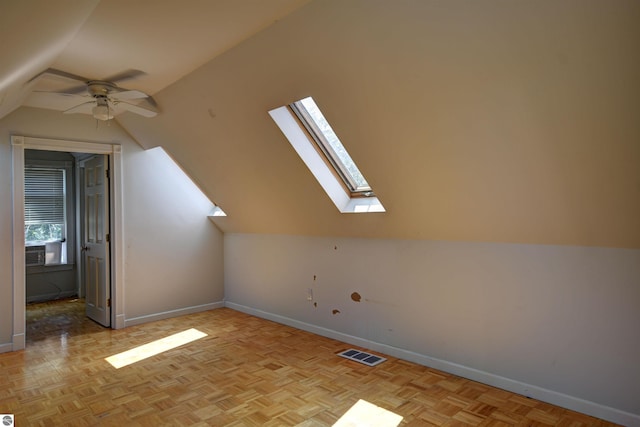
(246, 372)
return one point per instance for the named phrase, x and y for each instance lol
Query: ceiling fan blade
(76, 90)
(153, 105)
(143, 111)
(53, 100)
(54, 95)
(128, 94)
(84, 108)
(125, 75)
(59, 73)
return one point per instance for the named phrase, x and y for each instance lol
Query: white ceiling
(165, 39)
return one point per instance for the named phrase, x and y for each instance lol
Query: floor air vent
(362, 357)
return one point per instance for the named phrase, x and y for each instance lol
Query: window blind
(44, 196)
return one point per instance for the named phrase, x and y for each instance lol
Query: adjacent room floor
(238, 370)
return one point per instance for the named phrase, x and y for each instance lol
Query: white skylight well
(313, 138)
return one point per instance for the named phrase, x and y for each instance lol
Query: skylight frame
(304, 145)
(321, 139)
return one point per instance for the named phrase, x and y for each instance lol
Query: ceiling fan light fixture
(102, 111)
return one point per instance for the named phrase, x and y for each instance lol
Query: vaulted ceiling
(479, 121)
(165, 39)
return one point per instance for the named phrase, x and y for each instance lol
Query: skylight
(322, 133)
(311, 136)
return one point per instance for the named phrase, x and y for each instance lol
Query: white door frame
(21, 143)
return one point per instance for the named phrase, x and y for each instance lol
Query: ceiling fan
(103, 99)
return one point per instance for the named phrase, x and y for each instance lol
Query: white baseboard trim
(172, 313)
(539, 393)
(19, 341)
(5, 348)
(120, 322)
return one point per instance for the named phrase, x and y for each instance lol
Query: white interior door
(95, 246)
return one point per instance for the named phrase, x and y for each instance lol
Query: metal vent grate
(362, 357)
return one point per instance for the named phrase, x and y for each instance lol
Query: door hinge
(108, 302)
(107, 238)
(106, 172)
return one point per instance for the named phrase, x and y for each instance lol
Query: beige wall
(558, 323)
(473, 120)
(167, 233)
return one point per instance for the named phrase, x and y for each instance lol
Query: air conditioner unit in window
(34, 255)
(53, 253)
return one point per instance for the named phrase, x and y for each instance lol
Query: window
(329, 143)
(311, 136)
(45, 212)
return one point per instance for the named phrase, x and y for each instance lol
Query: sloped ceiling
(477, 121)
(164, 39)
(33, 34)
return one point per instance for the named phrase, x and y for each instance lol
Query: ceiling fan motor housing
(98, 88)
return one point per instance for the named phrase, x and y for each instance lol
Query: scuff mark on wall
(356, 297)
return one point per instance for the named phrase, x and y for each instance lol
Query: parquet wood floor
(246, 372)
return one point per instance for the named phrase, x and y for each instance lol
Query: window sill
(362, 205)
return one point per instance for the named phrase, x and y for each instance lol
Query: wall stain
(315, 304)
(336, 311)
(356, 297)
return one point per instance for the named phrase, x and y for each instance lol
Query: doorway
(67, 230)
(113, 153)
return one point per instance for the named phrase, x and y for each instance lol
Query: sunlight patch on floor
(155, 347)
(365, 414)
